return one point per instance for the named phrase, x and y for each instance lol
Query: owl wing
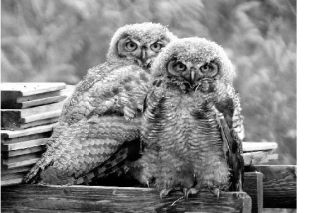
(232, 153)
(82, 147)
(113, 92)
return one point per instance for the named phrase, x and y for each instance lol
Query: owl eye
(180, 67)
(211, 68)
(131, 46)
(156, 47)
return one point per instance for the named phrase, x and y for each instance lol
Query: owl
(103, 113)
(188, 127)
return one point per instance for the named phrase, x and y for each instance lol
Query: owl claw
(190, 191)
(216, 192)
(164, 193)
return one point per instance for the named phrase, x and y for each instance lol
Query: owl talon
(190, 191)
(164, 193)
(216, 192)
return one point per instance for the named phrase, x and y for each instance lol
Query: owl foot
(190, 191)
(164, 192)
(215, 191)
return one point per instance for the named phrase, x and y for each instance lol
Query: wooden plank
(15, 118)
(14, 153)
(42, 101)
(279, 185)
(260, 157)
(33, 124)
(12, 181)
(19, 161)
(24, 169)
(31, 88)
(41, 116)
(253, 185)
(38, 96)
(26, 138)
(258, 146)
(117, 199)
(7, 134)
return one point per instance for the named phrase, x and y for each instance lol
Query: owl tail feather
(232, 154)
(112, 165)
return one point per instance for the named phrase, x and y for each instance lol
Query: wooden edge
(253, 185)
(32, 88)
(9, 165)
(42, 116)
(118, 199)
(279, 185)
(43, 101)
(259, 146)
(38, 96)
(253, 158)
(13, 181)
(24, 132)
(24, 144)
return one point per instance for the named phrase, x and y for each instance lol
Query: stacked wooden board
(29, 112)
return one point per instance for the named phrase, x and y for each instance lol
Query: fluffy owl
(190, 115)
(98, 119)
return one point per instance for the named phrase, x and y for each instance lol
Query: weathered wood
(19, 161)
(25, 133)
(253, 185)
(22, 118)
(11, 179)
(116, 199)
(260, 157)
(24, 144)
(15, 170)
(38, 96)
(42, 101)
(14, 153)
(30, 88)
(258, 146)
(279, 185)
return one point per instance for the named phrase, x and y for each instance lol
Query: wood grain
(43, 101)
(258, 146)
(30, 88)
(9, 134)
(116, 199)
(279, 185)
(38, 96)
(259, 157)
(19, 152)
(19, 161)
(253, 185)
(22, 118)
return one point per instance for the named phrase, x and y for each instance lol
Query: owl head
(193, 62)
(139, 43)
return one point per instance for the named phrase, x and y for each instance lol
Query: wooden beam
(14, 153)
(41, 101)
(30, 88)
(22, 118)
(19, 161)
(116, 199)
(258, 146)
(260, 157)
(8, 134)
(253, 185)
(279, 185)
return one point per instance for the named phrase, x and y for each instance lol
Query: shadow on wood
(27, 198)
(279, 185)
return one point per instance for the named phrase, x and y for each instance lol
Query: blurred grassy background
(58, 40)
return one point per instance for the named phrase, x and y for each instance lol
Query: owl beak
(144, 55)
(192, 76)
